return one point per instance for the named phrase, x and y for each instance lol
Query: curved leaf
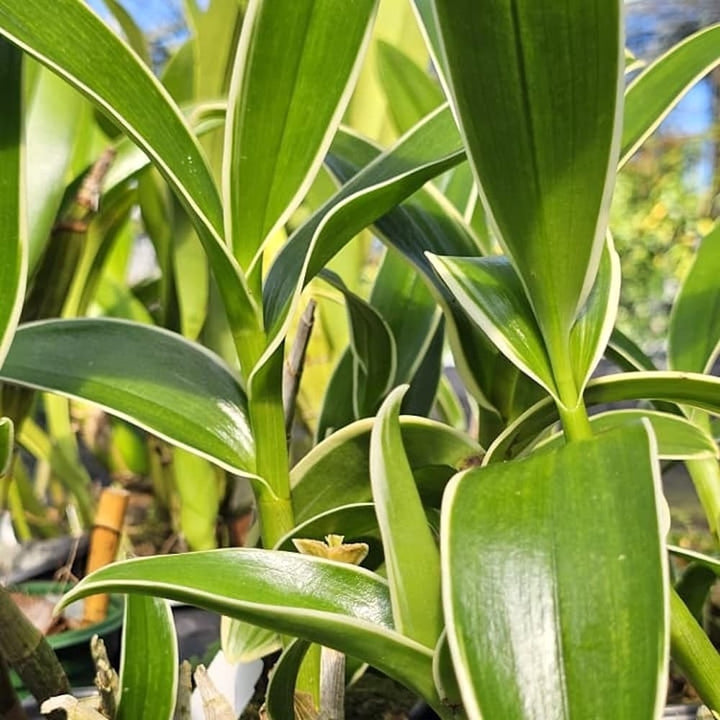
(677, 437)
(13, 248)
(430, 148)
(660, 87)
(536, 602)
(149, 664)
(151, 377)
(243, 642)
(694, 334)
(373, 349)
(280, 698)
(701, 391)
(538, 96)
(337, 472)
(7, 443)
(333, 604)
(490, 292)
(592, 330)
(412, 559)
(294, 73)
(410, 90)
(102, 67)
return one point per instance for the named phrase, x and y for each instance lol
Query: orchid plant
(521, 573)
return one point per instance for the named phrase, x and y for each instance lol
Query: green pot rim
(68, 638)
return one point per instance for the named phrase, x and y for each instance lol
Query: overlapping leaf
(123, 367)
(535, 603)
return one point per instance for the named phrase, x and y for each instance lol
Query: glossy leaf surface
(677, 438)
(535, 604)
(701, 391)
(694, 334)
(538, 95)
(124, 367)
(149, 665)
(336, 472)
(412, 559)
(293, 76)
(490, 292)
(335, 604)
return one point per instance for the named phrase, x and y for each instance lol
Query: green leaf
(294, 73)
(431, 148)
(243, 642)
(13, 249)
(373, 349)
(410, 91)
(334, 604)
(337, 472)
(403, 300)
(337, 409)
(591, 332)
(677, 437)
(198, 508)
(694, 334)
(412, 559)
(701, 391)
(536, 602)
(7, 443)
(131, 30)
(490, 292)
(56, 116)
(660, 87)
(102, 67)
(123, 367)
(538, 96)
(149, 664)
(280, 698)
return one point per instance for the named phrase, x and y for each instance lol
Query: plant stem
(10, 707)
(267, 417)
(692, 650)
(25, 648)
(575, 421)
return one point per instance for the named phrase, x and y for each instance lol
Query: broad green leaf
(677, 437)
(337, 472)
(13, 249)
(123, 367)
(694, 335)
(56, 115)
(659, 88)
(432, 147)
(412, 559)
(243, 642)
(342, 606)
(294, 72)
(538, 598)
(149, 664)
(694, 389)
(410, 90)
(490, 292)
(373, 350)
(538, 95)
(590, 333)
(280, 698)
(102, 67)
